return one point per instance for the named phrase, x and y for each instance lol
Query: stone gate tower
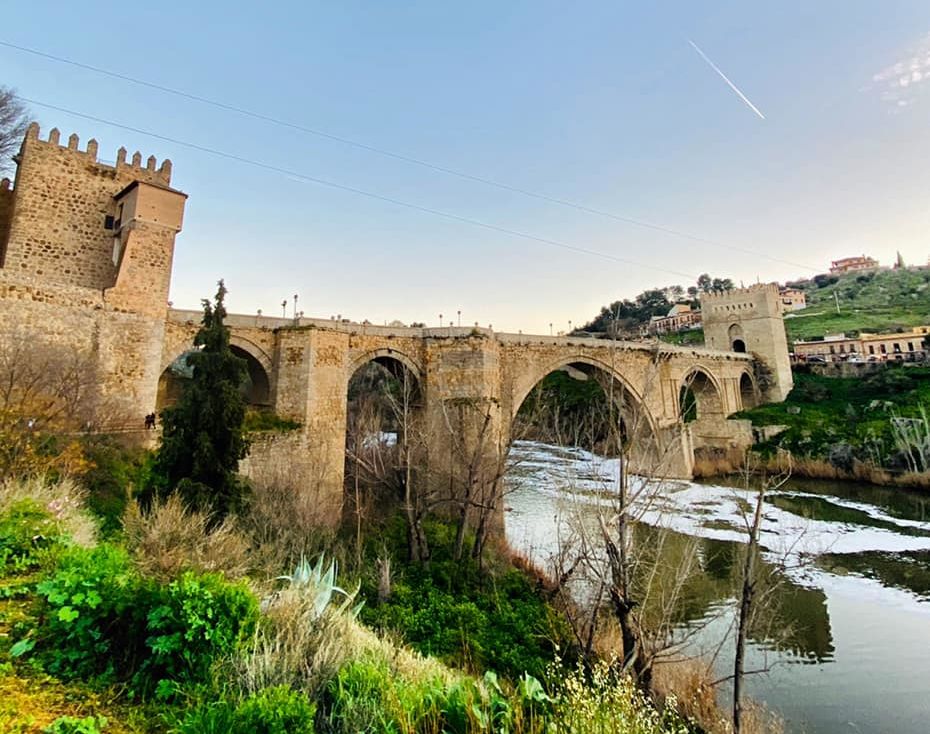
(750, 320)
(85, 263)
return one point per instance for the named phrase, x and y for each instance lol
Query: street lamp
(440, 320)
(459, 312)
(550, 328)
(284, 309)
(295, 305)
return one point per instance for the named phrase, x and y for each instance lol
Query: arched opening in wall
(255, 388)
(579, 415)
(699, 398)
(747, 391)
(384, 445)
(737, 341)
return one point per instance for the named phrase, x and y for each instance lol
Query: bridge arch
(383, 410)
(748, 390)
(385, 357)
(700, 396)
(256, 390)
(637, 425)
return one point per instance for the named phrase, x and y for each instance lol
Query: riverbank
(840, 646)
(874, 429)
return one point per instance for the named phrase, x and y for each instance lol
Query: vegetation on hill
(882, 300)
(880, 421)
(626, 315)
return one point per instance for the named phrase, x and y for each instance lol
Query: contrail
(724, 77)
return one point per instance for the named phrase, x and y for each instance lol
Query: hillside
(877, 301)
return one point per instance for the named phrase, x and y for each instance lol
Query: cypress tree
(202, 437)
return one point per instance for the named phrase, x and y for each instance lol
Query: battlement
(71, 219)
(150, 172)
(739, 293)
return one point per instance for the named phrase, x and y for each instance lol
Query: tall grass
(62, 499)
(170, 538)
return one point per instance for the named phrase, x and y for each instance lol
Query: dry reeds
(171, 538)
(62, 499)
(688, 685)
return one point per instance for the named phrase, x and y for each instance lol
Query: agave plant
(317, 582)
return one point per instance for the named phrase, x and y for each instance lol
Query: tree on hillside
(202, 439)
(13, 121)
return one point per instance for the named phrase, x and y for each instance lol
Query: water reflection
(846, 630)
(906, 570)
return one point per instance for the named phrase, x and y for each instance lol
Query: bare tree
(45, 392)
(13, 121)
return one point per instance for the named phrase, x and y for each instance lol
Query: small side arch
(700, 396)
(748, 391)
(385, 356)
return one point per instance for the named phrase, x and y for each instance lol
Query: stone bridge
(86, 253)
(302, 368)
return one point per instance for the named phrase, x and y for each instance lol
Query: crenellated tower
(86, 250)
(750, 320)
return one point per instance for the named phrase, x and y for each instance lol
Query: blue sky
(604, 104)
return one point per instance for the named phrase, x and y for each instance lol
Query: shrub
(54, 510)
(170, 538)
(303, 638)
(27, 531)
(191, 623)
(115, 472)
(100, 618)
(86, 622)
(73, 725)
(276, 710)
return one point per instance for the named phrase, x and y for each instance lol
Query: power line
(361, 192)
(400, 156)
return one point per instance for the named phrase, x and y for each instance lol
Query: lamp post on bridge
(284, 309)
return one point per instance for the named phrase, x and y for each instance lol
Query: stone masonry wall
(62, 197)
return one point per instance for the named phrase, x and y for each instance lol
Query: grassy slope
(882, 301)
(845, 410)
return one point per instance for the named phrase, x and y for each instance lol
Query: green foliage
(202, 436)
(27, 533)
(841, 420)
(100, 618)
(880, 301)
(73, 725)
(192, 622)
(653, 302)
(463, 614)
(115, 470)
(277, 710)
(258, 420)
(86, 624)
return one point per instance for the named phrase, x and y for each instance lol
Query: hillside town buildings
(679, 317)
(853, 264)
(867, 347)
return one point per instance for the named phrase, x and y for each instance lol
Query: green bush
(192, 622)
(27, 532)
(368, 697)
(100, 618)
(73, 725)
(87, 623)
(115, 471)
(276, 710)
(465, 615)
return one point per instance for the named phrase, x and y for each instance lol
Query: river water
(848, 644)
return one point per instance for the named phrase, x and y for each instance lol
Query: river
(849, 647)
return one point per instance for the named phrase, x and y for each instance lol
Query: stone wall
(60, 283)
(63, 195)
(750, 320)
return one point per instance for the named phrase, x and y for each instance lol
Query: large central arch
(636, 427)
